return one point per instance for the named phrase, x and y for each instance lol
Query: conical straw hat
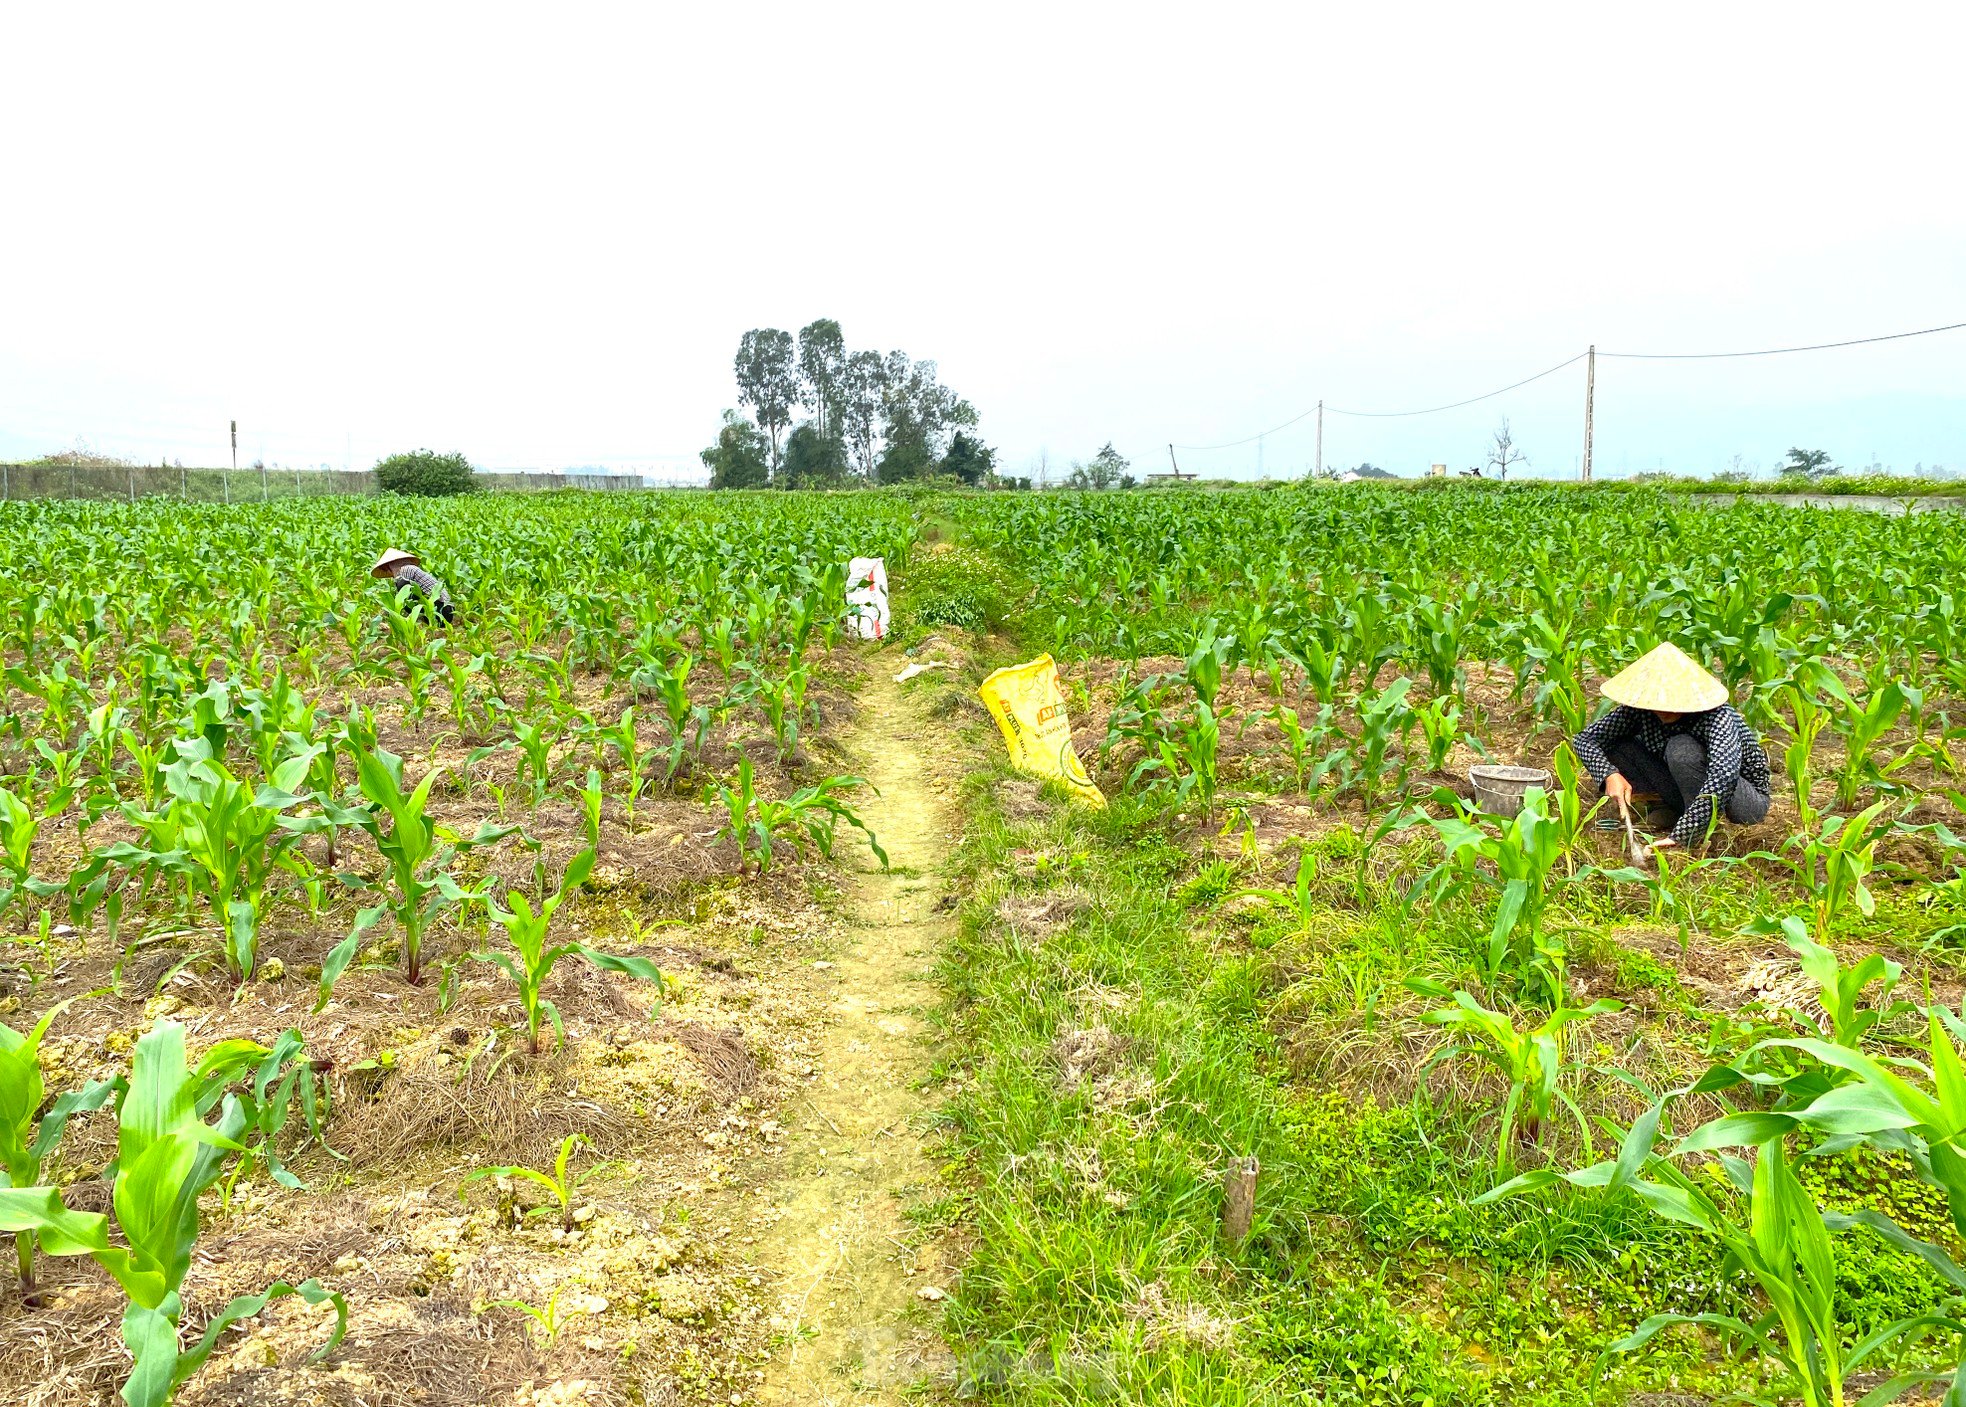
(1666, 681)
(391, 558)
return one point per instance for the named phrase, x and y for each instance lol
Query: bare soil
(857, 1287)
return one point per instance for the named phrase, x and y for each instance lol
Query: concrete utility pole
(235, 462)
(1319, 472)
(1173, 461)
(1590, 396)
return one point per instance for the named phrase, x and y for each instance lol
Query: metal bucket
(1498, 790)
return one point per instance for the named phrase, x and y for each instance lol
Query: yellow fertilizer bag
(1027, 704)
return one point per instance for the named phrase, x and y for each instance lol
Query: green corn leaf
(611, 962)
(344, 952)
(246, 1306)
(62, 1232)
(150, 1333)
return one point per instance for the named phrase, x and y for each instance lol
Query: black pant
(1677, 777)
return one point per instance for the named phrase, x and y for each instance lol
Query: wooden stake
(1239, 1200)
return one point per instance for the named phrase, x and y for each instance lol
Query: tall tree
(812, 459)
(1811, 463)
(822, 359)
(861, 382)
(918, 412)
(1102, 471)
(768, 381)
(737, 459)
(969, 459)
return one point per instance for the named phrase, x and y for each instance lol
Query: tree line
(868, 417)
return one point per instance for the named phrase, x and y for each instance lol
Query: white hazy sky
(535, 233)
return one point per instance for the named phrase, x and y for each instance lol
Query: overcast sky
(535, 234)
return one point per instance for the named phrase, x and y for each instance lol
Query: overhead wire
(1430, 410)
(1780, 351)
(1514, 385)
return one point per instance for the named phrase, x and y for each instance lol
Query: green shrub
(425, 474)
(954, 586)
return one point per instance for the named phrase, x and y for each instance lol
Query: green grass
(1116, 1065)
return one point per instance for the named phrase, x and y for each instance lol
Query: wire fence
(128, 483)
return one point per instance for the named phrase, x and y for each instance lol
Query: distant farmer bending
(403, 569)
(1674, 735)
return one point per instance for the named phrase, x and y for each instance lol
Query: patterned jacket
(1733, 755)
(432, 589)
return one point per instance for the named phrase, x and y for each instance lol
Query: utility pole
(1318, 473)
(1590, 397)
(1175, 462)
(235, 462)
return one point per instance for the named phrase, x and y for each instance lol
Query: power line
(1630, 356)
(1261, 434)
(1779, 351)
(1490, 395)
(1390, 414)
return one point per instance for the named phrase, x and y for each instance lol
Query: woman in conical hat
(406, 569)
(1674, 735)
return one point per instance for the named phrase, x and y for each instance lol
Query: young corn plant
(687, 722)
(1913, 1104)
(1440, 726)
(1517, 859)
(1531, 1060)
(282, 1077)
(1843, 993)
(27, 1135)
(1557, 652)
(1834, 863)
(622, 737)
(811, 813)
(223, 839)
(590, 797)
(1439, 639)
(167, 1156)
(781, 701)
(1298, 904)
(1323, 666)
(18, 826)
(560, 1184)
(1384, 719)
(1771, 1227)
(150, 769)
(1185, 754)
(1860, 727)
(418, 855)
(1806, 720)
(535, 742)
(534, 955)
(1299, 739)
(550, 1318)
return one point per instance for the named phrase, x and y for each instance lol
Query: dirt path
(854, 1325)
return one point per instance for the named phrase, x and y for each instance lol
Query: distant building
(1169, 476)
